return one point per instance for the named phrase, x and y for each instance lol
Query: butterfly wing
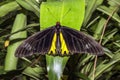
(78, 42)
(37, 43)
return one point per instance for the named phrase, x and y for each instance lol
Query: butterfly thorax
(57, 27)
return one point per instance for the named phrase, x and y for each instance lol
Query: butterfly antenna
(66, 13)
(52, 14)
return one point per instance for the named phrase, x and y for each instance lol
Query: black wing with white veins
(38, 43)
(78, 42)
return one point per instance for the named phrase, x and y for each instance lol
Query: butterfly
(58, 41)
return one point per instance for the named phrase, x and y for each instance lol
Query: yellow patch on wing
(63, 45)
(53, 47)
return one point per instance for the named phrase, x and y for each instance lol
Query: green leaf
(9, 7)
(109, 35)
(29, 5)
(68, 12)
(90, 8)
(103, 66)
(1, 69)
(55, 66)
(116, 1)
(99, 28)
(83, 76)
(109, 12)
(11, 60)
(33, 72)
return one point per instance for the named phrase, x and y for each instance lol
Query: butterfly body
(58, 47)
(58, 40)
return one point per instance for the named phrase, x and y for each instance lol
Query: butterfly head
(58, 27)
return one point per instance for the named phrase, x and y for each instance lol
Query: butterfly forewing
(78, 42)
(37, 43)
(71, 42)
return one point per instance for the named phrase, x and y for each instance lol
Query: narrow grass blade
(8, 7)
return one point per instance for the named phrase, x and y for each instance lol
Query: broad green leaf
(55, 66)
(69, 13)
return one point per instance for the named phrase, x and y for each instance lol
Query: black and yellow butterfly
(58, 40)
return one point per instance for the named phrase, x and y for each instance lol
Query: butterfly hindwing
(78, 42)
(37, 43)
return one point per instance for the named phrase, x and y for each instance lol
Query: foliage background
(99, 15)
